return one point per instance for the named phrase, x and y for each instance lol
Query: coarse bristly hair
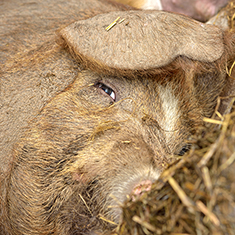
(83, 153)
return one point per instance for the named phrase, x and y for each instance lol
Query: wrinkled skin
(78, 154)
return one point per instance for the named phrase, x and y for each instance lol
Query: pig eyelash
(109, 91)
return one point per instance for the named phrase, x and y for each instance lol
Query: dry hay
(229, 11)
(196, 195)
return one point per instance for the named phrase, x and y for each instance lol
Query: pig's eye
(184, 150)
(109, 91)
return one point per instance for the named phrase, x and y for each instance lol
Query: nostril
(140, 188)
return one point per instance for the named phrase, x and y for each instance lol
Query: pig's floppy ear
(141, 40)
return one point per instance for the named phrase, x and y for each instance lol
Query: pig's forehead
(143, 39)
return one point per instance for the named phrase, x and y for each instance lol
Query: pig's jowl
(144, 88)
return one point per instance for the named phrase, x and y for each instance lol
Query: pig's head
(146, 85)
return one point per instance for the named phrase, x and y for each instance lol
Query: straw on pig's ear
(141, 40)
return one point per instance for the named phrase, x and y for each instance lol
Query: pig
(33, 68)
(132, 95)
(201, 10)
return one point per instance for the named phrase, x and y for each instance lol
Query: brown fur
(145, 50)
(75, 134)
(81, 147)
(83, 153)
(33, 68)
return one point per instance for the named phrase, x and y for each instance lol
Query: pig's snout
(140, 188)
(130, 186)
(143, 186)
